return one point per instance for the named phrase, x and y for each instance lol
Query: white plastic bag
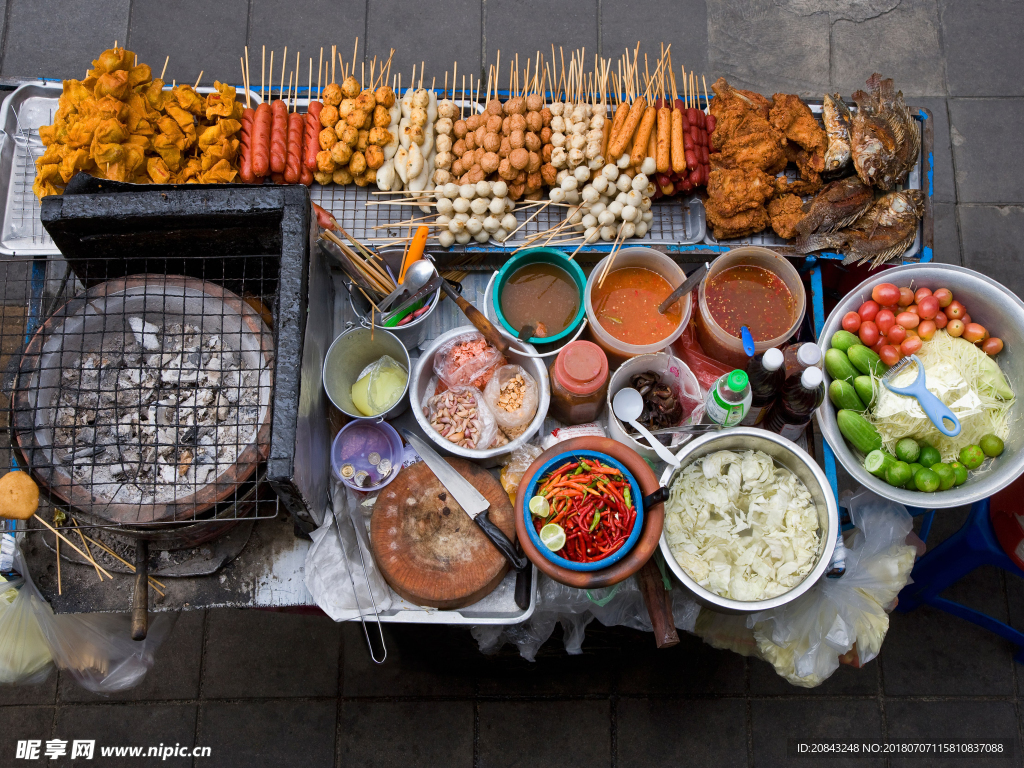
(467, 360)
(442, 412)
(25, 658)
(512, 421)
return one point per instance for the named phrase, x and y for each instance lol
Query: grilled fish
(884, 141)
(885, 230)
(837, 205)
(837, 127)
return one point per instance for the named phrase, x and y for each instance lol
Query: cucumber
(843, 340)
(843, 395)
(878, 463)
(865, 389)
(838, 365)
(866, 361)
(860, 434)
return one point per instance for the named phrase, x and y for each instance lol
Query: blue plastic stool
(974, 545)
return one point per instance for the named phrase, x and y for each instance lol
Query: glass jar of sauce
(579, 383)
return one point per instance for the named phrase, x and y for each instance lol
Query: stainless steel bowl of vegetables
(821, 518)
(992, 306)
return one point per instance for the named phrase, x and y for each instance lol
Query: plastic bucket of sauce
(540, 298)
(752, 286)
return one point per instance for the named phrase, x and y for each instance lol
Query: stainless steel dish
(349, 355)
(990, 304)
(792, 458)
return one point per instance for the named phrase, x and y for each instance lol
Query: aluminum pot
(350, 353)
(990, 304)
(792, 458)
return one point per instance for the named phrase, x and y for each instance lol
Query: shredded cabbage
(742, 527)
(961, 376)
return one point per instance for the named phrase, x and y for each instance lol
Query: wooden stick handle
(477, 318)
(140, 600)
(659, 604)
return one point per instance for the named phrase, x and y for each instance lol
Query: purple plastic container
(360, 441)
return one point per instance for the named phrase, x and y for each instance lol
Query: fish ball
(648, 167)
(607, 233)
(474, 225)
(623, 162)
(651, 189)
(557, 139)
(491, 224)
(598, 208)
(589, 221)
(445, 207)
(460, 204)
(443, 221)
(467, 191)
(455, 226)
(508, 222)
(645, 203)
(627, 230)
(572, 197)
(501, 235)
(499, 189)
(569, 183)
(556, 109)
(648, 216)
(597, 121)
(600, 182)
(557, 124)
(482, 236)
(623, 183)
(629, 213)
(582, 174)
(446, 239)
(483, 189)
(610, 172)
(497, 205)
(615, 208)
(463, 237)
(451, 190)
(590, 195)
(576, 217)
(640, 181)
(606, 218)
(560, 176)
(622, 198)
(463, 217)
(510, 204)
(590, 235)
(641, 228)
(479, 205)
(634, 198)
(556, 195)
(596, 163)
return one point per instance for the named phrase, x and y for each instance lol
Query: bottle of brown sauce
(579, 383)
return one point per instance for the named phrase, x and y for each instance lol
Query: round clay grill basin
(79, 327)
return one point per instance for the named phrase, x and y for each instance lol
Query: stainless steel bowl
(990, 304)
(792, 458)
(423, 371)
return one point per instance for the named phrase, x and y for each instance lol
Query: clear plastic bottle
(728, 401)
(766, 376)
(800, 356)
(792, 411)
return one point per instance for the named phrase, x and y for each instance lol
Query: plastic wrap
(706, 369)
(450, 414)
(518, 462)
(467, 360)
(513, 417)
(25, 658)
(379, 386)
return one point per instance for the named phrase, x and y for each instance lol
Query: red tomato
(896, 335)
(906, 297)
(889, 354)
(868, 310)
(926, 329)
(885, 293)
(908, 319)
(920, 293)
(940, 320)
(966, 319)
(851, 322)
(955, 310)
(913, 308)
(974, 332)
(991, 346)
(869, 333)
(955, 328)
(877, 346)
(885, 320)
(910, 346)
(945, 296)
(928, 307)
(912, 333)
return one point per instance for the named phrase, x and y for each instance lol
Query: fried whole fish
(883, 232)
(884, 141)
(837, 118)
(837, 205)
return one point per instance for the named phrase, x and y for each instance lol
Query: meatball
(534, 102)
(328, 138)
(457, 168)
(443, 127)
(519, 158)
(322, 177)
(328, 116)
(533, 182)
(341, 153)
(505, 170)
(385, 96)
(356, 118)
(443, 143)
(545, 116)
(443, 160)
(545, 135)
(347, 134)
(357, 164)
(381, 117)
(380, 136)
(332, 95)
(480, 133)
(548, 172)
(350, 88)
(533, 122)
(459, 129)
(532, 142)
(533, 164)
(342, 176)
(459, 148)
(374, 157)
(324, 161)
(474, 121)
(362, 140)
(515, 106)
(490, 161)
(418, 116)
(545, 153)
(494, 107)
(517, 139)
(492, 142)
(517, 123)
(365, 101)
(476, 173)
(505, 148)
(494, 123)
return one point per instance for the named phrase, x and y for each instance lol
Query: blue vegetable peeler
(935, 409)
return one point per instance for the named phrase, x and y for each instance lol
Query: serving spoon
(628, 404)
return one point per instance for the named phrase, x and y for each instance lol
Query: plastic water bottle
(728, 401)
(792, 411)
(766, 376)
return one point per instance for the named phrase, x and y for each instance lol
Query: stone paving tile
(21, 695)
(535, 732)
(656, 733)
(199, 36)
(769, 47)
(993, 67)
(971, 721)
(431, 733)
(845, 681)
(421, 661)
(902, 43)
(303, 26)
(986, 146)
(943, 181)
(23, 723)
(992, 242)
(774, 721)
(262, 654)
(175, 674)
(117, 726)
(50, 38)
(528, 26)
(945, 234)
(691, 668)
(683, 24)
(393, 23)
(277, 733)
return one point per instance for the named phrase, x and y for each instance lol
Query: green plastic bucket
(544, 256)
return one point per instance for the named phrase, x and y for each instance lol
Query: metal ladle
(628, 404)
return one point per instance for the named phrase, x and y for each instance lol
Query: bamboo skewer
(198, 79)
(535, 214)
(60, 584)
(68, 542)
(89, 551)
(164, 70)
(153, 582)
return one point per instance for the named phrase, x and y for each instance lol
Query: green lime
(915, 467)
(539, 507)
(971, 456)
(960, 471)
(926, 480)
(552, 536)
(947, 476)
(928, 455)
(991, 445)
(908, 450)
(898, 474)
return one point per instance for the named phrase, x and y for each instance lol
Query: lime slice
(539, 507)
(553, 536)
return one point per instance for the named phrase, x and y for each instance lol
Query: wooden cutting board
(427, 547)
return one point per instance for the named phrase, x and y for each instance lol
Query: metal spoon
(628, 404)
(416, 276)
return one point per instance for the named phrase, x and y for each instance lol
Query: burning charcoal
(188, 437)
(145, 333)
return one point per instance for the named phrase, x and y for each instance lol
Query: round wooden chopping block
(427, 547)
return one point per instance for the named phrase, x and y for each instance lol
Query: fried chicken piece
(786, 212)
(744, 223)
(794, 119)
(808, 166)
(757, 149)
(742, 132)
(736, 190)
(731, 105)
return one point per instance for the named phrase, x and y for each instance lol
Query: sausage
(305, 176)
(652, 144)
(629, 126)
(261, 141)
(279, 136)
(710, 123)
(606, 130)
(293, 160)
(311, 141)
(678, 151)
(621, 112)
(643, 135)
(245, 148)
(323, 217)
(664, 140)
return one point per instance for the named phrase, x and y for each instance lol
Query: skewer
(103, 547)
(578, 247)
(284, 66)
(198, 79)
(535, 214)
(60, 584)
(245, 74)
(707, 101)
(295, 93)
(270, 79)
(164, 70)
(309, 85)
(89, 551)
(355, 50)
(334, 55)
(617, 244)
(68, 542)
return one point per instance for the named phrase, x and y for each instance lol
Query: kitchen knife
(469, 498)
(688, 285)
